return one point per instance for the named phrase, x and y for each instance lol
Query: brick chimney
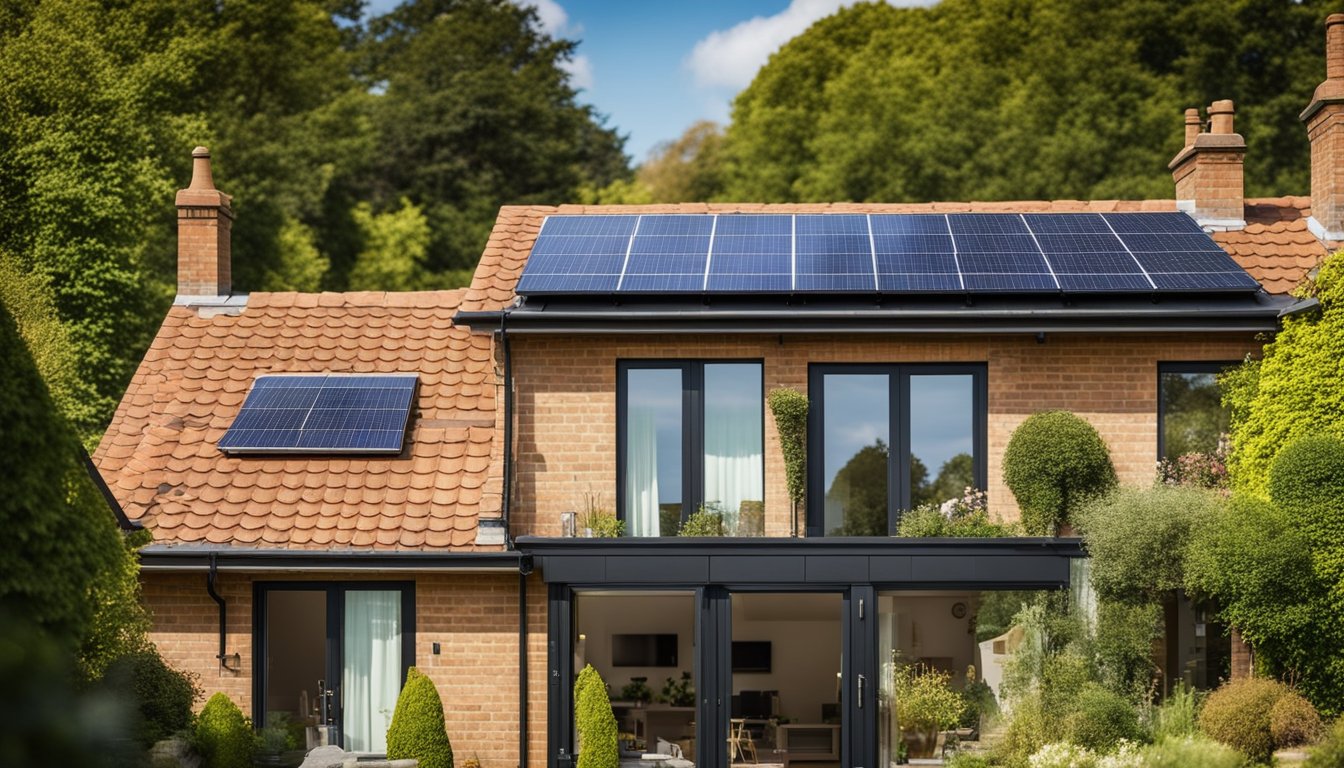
(204, 221)
(1324, 117)
(1208, 171)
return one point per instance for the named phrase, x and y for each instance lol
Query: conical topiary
(223, 736)
(417, 730)
(596, 722)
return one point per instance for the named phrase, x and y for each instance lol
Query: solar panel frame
(335, 414)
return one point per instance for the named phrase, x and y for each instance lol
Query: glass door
(331, 662)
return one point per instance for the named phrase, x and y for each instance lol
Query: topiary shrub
(1054, 462)
(162, 696)
(223, 737)
(595, 721)
(1294, 722)
(1101, 720)
(417, 730)
(1238, 715)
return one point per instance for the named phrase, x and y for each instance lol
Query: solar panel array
(323, 413)
(744, 253)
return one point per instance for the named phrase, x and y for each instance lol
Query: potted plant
(707, 521)
(637, 691)
(925, 705)
(597, 520)
(680, 692)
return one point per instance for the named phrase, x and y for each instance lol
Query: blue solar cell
(1171, 243)
(1080, 243)
(754, 224)
(988, 282)
(996, 244)
(836, 283)
(986, 224)
(834, 253)
(1102, 282)
(337, 413)
(916, 263)
(1114, 262)
(668, 283)
(572, 283)
(909, 282)
(1161, 222)
(578, 254)
(1191, 261)
(1003, 263)
(747, 282)
(909, 224)
(1066, 223)
(1205, 281)
(928, 243)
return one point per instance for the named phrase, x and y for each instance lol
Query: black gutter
(787, 545)
(223, 610)
(126, 524)
(508, 426)
(186, 558)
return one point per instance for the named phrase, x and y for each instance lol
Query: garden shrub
(1055, 461)
(1122, 646)
(162, 696)
(1238, 715)
(964, 517)
(1192, 751)
(1297, 388)
(1137, 538)
(417, 730)
(968, 760)
(1101, 719)
(1330, 753)
(706, 521)
(1178, 716)
(224, 737)
(789, 407)
(595, 721)
(1307, 481)
(1062, 754)
(1294, 722)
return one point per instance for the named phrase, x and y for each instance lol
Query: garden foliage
(595, 721)
(224, 738)
(789, 407)
(1054, 463)
(1307, 482)
(162, 696)
(417, 729)
(1239, 714)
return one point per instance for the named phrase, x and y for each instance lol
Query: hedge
(418, 730)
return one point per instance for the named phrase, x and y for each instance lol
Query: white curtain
(734, 464)
(641, 472)
(371, 678)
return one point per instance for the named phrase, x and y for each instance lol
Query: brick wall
(566, 400)
(473, 617)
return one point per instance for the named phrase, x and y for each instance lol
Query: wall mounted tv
(644, 650)
(751, 656)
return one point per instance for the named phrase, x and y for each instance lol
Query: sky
(654, 67)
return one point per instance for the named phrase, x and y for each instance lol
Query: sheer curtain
(734, 447)
(371, 676)
(641, 471)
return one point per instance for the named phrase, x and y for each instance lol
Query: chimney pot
(1220, 116)
(201, 177)
(1193, 125)
(1334, 46)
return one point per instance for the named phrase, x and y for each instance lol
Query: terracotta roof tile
(159, 454)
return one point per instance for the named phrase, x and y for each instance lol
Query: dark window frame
(898, 430)
(1163, 368)
(692, 423)
(335, 631)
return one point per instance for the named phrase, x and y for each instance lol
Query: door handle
(861, 682)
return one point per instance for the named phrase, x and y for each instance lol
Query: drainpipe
(524, 570)
(508, 426)
(223, 610)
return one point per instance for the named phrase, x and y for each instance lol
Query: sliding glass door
(331, 659)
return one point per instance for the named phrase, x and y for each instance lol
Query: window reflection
(942, 437)
(1193, 417)
(856, 439)
(734, 446)
(653, 452)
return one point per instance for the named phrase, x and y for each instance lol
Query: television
(644, 650)
(751, 656)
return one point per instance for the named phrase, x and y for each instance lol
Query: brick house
(303, 579)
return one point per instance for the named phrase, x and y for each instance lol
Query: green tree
(475, 111)
(393, 254)
(860, 490)
(687, 169)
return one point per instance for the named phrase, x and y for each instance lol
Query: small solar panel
(834, 253)
(323, 413)
(578, 254)
(914, 254)
(668, 254)
(752, 253)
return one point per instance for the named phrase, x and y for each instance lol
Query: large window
(690, 435)
(887, 438)
(1191, 417)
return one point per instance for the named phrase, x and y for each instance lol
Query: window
(690, 434)
(1190, 413)
(886, 438)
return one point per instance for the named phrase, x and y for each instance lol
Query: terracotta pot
(921, 743)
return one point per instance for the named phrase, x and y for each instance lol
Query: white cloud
(580, 69)
(555, 22)
(729, 58)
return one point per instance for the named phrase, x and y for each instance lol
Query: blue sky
(654, 67)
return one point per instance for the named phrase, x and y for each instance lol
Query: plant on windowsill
(679, 692)
(789, 407)
(964, 517)
(597, 521)
(707, 521)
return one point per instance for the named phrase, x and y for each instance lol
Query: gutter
(157, 557)
(1300, 307)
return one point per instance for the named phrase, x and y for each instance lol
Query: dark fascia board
(1250, 314)
(158, 557)
(126, 524)
(825, 546)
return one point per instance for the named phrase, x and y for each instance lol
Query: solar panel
(834, 253)
(752, 253)
(323, 413)
(885, 253)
